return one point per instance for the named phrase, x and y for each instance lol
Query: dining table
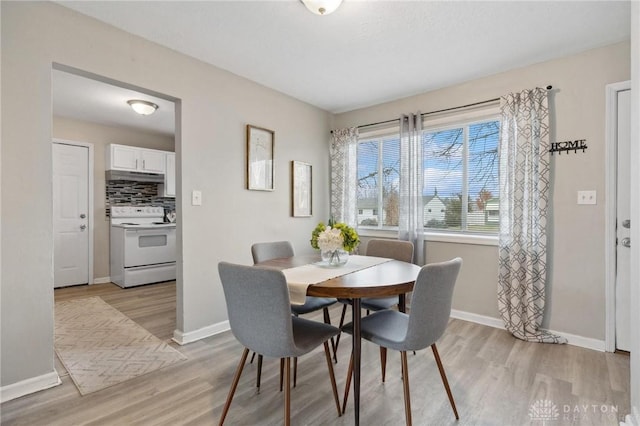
(389, 278)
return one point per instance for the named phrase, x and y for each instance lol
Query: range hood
(134, 176)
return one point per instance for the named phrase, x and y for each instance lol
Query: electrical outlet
(587, 197)
(196, 198)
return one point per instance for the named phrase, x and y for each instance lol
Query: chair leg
(383, 362)
(332, 377)
(295, 372)
(259, 373)
(234, 384)
(281, 372)
(287, 393)
(348, 383)
(344, 311)
(444, 380)
(327, 320)
(405, 384)
(253, 355)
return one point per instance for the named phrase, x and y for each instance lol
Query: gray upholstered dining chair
(422, 327)
(391, 249)
(269, 328)
(262, 252)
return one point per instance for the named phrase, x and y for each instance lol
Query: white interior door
(70, 214)
(623, 224)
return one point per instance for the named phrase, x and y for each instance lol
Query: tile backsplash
(124, 192)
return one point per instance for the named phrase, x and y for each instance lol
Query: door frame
(610, 211)
(90, 209)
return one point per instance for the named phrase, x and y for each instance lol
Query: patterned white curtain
(524, 201)
(411, 217)
(343, 152)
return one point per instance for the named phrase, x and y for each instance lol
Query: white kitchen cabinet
(168, 189)
(134, 159)
(152, 161)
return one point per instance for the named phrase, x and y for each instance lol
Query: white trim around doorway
(610, 211)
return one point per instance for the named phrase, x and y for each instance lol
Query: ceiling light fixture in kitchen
(142, 107)
(321, 7)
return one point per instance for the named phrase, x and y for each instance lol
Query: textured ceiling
(368, 52)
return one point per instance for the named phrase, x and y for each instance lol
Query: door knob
(626, 223)
(626, 242)
(82, 216)
(83, 227)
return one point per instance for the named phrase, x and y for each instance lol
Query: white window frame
(378, 134)
(432, 123)
(449, 121)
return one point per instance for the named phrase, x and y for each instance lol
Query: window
(378, 161)
(461, 175)
(460, 192)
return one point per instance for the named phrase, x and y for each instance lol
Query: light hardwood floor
(495, 378)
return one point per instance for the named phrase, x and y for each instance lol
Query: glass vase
(334, 258)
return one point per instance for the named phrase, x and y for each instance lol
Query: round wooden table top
(385, 279)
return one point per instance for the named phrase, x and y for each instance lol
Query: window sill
(440, 237)
(480, 240)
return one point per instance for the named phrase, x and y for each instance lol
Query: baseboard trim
(632, 419)
(477, 318)
(25, 387)
(183, 338)
(102, 280)
(572, 339)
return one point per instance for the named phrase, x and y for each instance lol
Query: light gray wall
(576, 296)
(213, 108)
(100, 136)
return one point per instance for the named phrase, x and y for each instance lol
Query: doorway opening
(91, 112)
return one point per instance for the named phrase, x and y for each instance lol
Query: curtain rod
(549, 87)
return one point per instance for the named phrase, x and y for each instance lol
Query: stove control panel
(133, 211)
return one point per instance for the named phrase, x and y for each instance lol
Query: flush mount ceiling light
(142, 107)
(321, 7)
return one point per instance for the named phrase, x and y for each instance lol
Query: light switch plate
(196, 198)
(587, 197)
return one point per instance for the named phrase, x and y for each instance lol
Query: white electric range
(143, 246)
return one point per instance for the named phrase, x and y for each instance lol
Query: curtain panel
(411, 209)
(524, 203)
(343, 186)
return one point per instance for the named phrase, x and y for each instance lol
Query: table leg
(402, 302)
(356, 360)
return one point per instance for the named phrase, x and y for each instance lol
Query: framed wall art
(260, 144)
(301, 197)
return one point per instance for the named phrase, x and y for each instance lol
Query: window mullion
(380, 183)
(465, 177)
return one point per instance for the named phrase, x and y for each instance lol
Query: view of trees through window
(460, 178)
(378, 181)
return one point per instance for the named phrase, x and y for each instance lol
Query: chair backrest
(258, 307)
(431, 303)
(392, 249)
(262, 252)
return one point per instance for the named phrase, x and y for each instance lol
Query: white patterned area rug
(101, 347)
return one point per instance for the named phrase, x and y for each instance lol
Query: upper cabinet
(134, 159)
(168, 189)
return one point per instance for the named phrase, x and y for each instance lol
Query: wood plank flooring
(495, 379)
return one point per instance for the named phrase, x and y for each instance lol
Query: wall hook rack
(567, 146)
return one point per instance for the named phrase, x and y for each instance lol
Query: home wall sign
(568, 146)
